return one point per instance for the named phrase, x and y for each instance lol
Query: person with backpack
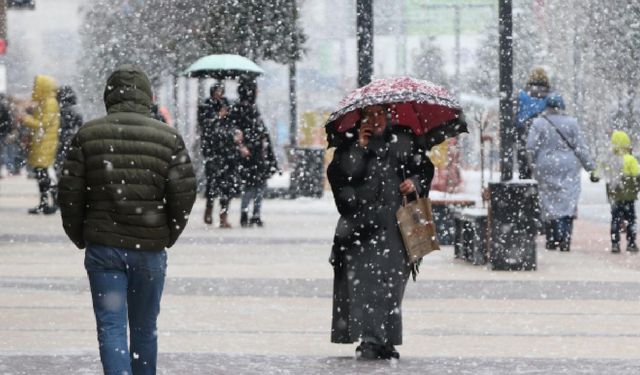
(558, 152)
(622, 174)
(530, 103)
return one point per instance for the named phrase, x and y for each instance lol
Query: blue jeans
(253, 193)
(625, 210)
(126, 283)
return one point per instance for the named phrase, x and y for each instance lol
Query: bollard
(512, 221)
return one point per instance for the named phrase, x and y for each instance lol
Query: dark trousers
(210, 193)
(255, 194)
(559, 231)
(126, 284)
(625, 210)
(524, 166)
(44, 181)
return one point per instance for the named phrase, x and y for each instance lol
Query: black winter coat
(128, 181)
(70, 122)
(6, 120)
(209, 109)
(222, 158)
(261, 164)
(371, 268)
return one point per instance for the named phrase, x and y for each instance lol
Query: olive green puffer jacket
(128, 181)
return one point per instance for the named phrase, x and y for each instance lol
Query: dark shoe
(43, 209)
(50, 210)
(223, 221)
(37, 210)
(632, 247)
(615, 247)
(256, 220)
(244, 220)
(392, 352)
(40, 208)
(207, 215)
(565, 246)
(551, 245)
(369, 351)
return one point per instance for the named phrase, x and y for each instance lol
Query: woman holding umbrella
(378, 160)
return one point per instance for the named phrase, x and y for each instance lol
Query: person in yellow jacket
(44, 123)
(622, 174)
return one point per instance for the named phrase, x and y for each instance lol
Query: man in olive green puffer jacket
(126, 192)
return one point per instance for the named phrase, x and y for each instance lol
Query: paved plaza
(258, 301)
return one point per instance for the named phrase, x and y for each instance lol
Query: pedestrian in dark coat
(6, 124)
(126, 192)
(221, 150)
(369, 177)
(217, 142)
(258, 163)
(70, 122)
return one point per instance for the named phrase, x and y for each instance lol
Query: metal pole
(457, 32)
(293, 99)
(293, 108)
(364, 25)
(506, 89)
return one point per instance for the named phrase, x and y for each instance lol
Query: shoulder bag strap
(565, 140)
(560, 133)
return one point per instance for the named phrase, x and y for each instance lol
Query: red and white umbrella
(424, 107)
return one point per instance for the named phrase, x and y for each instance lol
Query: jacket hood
(128, 90)
(66, 96)
(44, 87)
(620, 142)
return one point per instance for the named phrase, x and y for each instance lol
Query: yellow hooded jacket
(44, 123)
(623, 183)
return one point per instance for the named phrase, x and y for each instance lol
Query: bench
(443, 217)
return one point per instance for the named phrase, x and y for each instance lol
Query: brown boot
(207, 215)
(223, 221)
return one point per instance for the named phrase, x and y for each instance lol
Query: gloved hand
(593, 177)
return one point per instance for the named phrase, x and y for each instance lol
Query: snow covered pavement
(258, 300)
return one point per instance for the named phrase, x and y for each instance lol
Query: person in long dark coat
(221, 149)
(215, 151)
(258, 162)
(369, 176)
(70, 122)
(6, 124)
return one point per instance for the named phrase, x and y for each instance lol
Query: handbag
(418, 230)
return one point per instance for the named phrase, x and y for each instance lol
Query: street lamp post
(364, 25)
(293, 102)
(506, 89)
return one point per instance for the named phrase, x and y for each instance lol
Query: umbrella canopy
(223, 66)
(424, 107)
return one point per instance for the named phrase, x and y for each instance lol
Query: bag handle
(405, 200)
